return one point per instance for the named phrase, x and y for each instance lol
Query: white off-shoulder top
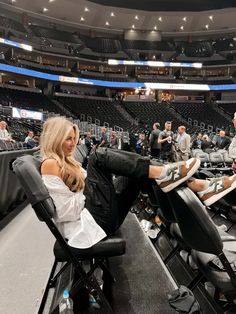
(72, 219)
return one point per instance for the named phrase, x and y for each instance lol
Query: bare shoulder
(50, 167)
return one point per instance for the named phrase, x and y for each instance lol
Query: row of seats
(214, 161)
(9, 146)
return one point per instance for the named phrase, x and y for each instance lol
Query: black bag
(183, 301)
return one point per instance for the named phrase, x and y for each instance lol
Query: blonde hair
(54, 134)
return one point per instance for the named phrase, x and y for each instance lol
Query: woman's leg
(101, 198)
(211, 190)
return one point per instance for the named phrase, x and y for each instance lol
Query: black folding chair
(211, 248)
(26, 169)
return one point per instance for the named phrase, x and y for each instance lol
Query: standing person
(232, 146)
(153, 142)
(103, 141)
(182, 144)
(166, 140)
(91, 205)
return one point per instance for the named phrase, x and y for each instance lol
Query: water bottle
(66, 304)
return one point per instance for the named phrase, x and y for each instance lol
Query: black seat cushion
(112, 246)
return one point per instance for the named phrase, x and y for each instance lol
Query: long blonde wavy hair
(54, 134)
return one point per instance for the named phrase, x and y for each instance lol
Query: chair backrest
(216, 158)
(27, 170)
(81, 154)
(196, 151)
(204, 157)
(197, 228)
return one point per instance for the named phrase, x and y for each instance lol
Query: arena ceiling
(169, 5)
(167, 16)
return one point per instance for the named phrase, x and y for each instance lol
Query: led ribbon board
(15, 44)
(158, 64)
(130, 85)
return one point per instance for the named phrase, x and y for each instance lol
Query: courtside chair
(27, 170)
(212, 249)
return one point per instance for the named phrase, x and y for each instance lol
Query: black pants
(107, 199)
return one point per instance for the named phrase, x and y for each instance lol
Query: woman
(91, 206)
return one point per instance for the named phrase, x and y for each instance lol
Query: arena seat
(26, 169)
(213, 250)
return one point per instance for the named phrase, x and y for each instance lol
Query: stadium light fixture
(45, 9)
(136, 17)
(112, 14)
(184, 19)
(160, 19)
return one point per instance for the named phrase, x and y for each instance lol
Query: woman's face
(69, 143)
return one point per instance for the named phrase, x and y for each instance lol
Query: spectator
(153, 142)
(141, 145)
(33, 142)
(103, 141)
(4, 134)
(114, 140)
(207, 143)
(197, 143)
(166, 141)
(222, 141)
(182, 144)
(29, 136)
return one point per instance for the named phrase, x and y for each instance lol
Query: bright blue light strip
(23, 71)
(133, 85)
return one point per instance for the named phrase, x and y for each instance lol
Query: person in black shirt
(166, 141)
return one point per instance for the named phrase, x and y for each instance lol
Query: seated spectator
(197, 143)
(33, 142)
(29, 136)
(4, 134)
(88, 141)
(88, 211)
(207, 144)
(222, 141)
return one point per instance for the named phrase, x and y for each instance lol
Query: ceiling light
(155, 27)
(136, 17)
(107, 23)
(82, 19)
(51, 0)
(45, 9)
(160, 18)
(133, 26)
(112, 14)
(12, 1)
(211, 17)
(86, 9)
(182, 28)
(184, 19)
(206, 26)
